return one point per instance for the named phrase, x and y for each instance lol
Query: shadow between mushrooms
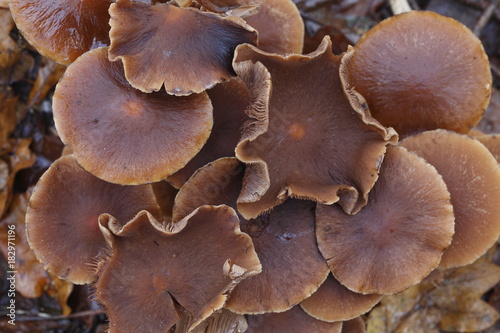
(284, 240)
(62, 30)
(184, 49)
(398, 238)
(155, 270)
(121, 134)
(62, 218)
(309, 134)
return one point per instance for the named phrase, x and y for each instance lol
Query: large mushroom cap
(334, 302)
(62, 30)
(62, 219)
(309, 135)
(472, 176)
(280, 26)
(184, 49)
(123, 135)
(156, 268)
(398, 238)
(420, 71)
(294, 320)
(284, 239)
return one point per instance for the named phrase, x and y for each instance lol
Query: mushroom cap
(334, 302)
(120, 134)
(165, 197)
(184, 49)
(492, 143)
(309, 136)
(398, 238)
(356, 325)
(155, 268)
(284, 239)
(62, 30)
(280, 26)
(62, 218)
(229, 100)
(294, 320)
(421, 71)
(472, 176)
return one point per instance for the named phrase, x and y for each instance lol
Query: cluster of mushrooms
(217, 180)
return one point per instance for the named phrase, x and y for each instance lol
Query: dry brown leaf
(9, 52)
(32, 280)
(451, 302)
(7, 117)
(49, 74)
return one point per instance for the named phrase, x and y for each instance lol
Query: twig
(61, 317)
(485, 17)
(399, 6)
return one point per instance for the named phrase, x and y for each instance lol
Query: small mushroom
(157, 270)
(229, 100)
(294, 320)
(491, 142)
(422, 71)
(62, 218)
(398, 238)
(121, 134)
(280, 26)
(334, 302)
(279, 237)
(472, 176)
(313, 140)
(62, 30)
(184, 49)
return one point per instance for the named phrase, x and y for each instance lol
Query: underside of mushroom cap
(280, 26)
(62, 30)
(184, 49)
(279, 237)
(398, 238)
(121, 134)
(310, 134)
(421, 71)
(472, 176)
(294, 320)
(62, 219)
(334, 302)
(229, 100)
(155, 268)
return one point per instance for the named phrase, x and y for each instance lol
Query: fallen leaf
(7, 117)
(49, 74)
(9, 52)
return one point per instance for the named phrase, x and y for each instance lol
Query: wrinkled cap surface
(398, 238)
(229, 100)
(421, 71)
(472, 176)
(157, 269)
(63, 30)
(62, 219)
(121, 134)
(294, 320)
(184, 49)
(284, 239)
(309, 136)
(334, 302)
(280, 26)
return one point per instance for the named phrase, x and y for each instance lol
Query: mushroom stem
(399, 6)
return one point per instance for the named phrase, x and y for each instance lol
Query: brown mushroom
(294, 320)
(356, 325)
(222, 321)
(62, 219)
(280, 26)
(472, 176)
(165, 196)
(184, 49)
(155, 270)
(311, 137)
(492, 143)
(421, 71)
(229, 100)
(123, 135)
(398, 238)
(334, 302)
(279, 237)
(62, 30)
(9, 51)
